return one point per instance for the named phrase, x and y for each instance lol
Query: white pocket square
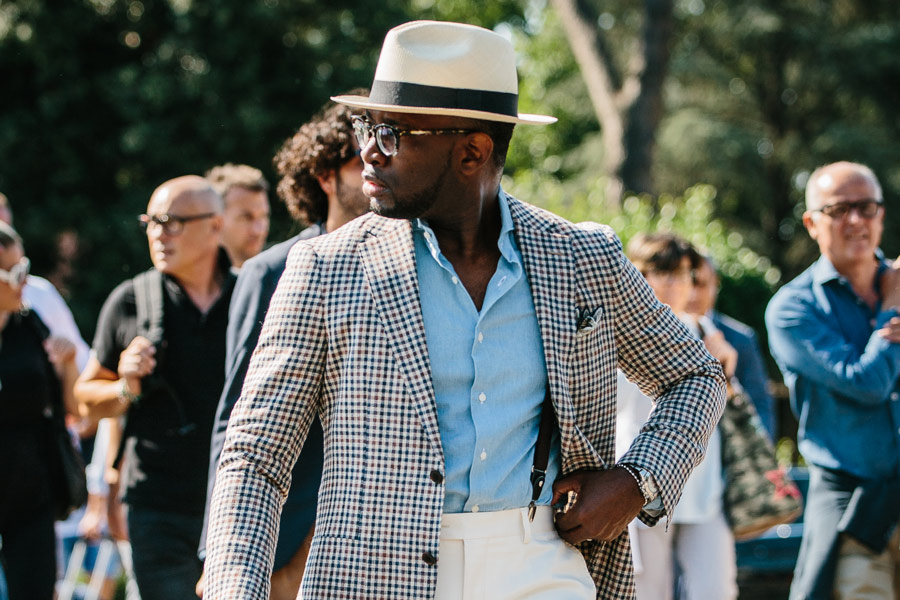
(587, 320)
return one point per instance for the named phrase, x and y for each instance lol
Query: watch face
(649, 486)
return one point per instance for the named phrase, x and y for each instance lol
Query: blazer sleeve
(671, 366)
(267, 429)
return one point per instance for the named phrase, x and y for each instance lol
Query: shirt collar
(823, 270)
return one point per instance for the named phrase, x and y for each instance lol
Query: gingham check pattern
(344, 338)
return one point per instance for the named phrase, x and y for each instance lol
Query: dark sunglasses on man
(17, 275)
(864, 208)
(388, 136)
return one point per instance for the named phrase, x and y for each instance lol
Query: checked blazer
(344, 339)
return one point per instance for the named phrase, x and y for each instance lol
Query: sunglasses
(171, 224)
(17, 275)
(388, 136)
(864, 208)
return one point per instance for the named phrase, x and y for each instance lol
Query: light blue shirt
(489, 376)
(841, 374)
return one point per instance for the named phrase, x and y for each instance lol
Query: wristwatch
(645, 481)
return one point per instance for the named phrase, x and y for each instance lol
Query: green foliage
(106, 99)
(748, 279)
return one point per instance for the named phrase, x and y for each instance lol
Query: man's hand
(722, 351)
(890, 286)
(137, 361)
(890, 298)
(60, 351)
(606, 502)
(200, 587)
(286, 580)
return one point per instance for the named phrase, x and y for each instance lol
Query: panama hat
(440, 68)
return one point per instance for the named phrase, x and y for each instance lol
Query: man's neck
(468, 239)
(202, 286)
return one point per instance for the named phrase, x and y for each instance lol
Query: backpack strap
(148, 296)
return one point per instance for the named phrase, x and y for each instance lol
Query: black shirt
(27, 385)
(167, 452)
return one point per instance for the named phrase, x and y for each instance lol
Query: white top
(43, 298)
(701, 499)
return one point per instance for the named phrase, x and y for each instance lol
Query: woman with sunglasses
(37, 374)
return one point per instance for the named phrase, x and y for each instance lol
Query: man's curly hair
(321, 145)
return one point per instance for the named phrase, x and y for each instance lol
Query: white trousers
(502, 556)
(704, 553)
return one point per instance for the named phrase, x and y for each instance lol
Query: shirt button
(429, 559)
(482, 397)
(895, 396)
(454, 280)
(480, 337)
(475, 509)
(502, 280)
(437, 476)
(483, 455)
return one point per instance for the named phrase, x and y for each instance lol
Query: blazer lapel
(389, 263)
(551, 274)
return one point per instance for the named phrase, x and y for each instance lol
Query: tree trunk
(629, 108)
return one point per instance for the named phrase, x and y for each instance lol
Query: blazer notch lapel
(389, 264)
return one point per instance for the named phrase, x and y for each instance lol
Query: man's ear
(328, 183)
(218, 223)
(477, 152)
(810, 225)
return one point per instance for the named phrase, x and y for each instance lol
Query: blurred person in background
(835, 333)
(697, 539)
(750, 368)
(37, 373)
(321, 184)
(44, 299)
(245, 193)
(167, 387)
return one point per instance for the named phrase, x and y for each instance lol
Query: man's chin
(385, 210)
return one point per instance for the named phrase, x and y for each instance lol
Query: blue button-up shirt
(489, 376)
(842, 376)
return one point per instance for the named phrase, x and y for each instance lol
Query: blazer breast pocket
(587, 321)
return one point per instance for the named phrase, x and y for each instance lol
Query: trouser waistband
(500, 523)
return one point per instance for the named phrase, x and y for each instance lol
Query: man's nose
(854, 215)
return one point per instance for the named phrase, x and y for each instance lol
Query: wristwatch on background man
(644, 479)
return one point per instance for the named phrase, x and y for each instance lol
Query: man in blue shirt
(834, 331)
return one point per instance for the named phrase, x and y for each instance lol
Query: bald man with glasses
(835, 333)
(168, 387)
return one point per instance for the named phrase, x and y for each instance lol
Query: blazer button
(429, 559)
(437, 476)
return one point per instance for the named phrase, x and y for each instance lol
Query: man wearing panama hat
(431, 337)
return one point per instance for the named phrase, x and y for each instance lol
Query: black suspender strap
(541, 453)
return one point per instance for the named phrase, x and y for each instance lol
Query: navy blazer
(253, 291)
(750, 370)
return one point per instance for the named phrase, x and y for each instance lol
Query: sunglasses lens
(361, 132)
(868, 209)
(387, 140)
(864, 208)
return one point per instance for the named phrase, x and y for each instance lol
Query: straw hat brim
(524, 119)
